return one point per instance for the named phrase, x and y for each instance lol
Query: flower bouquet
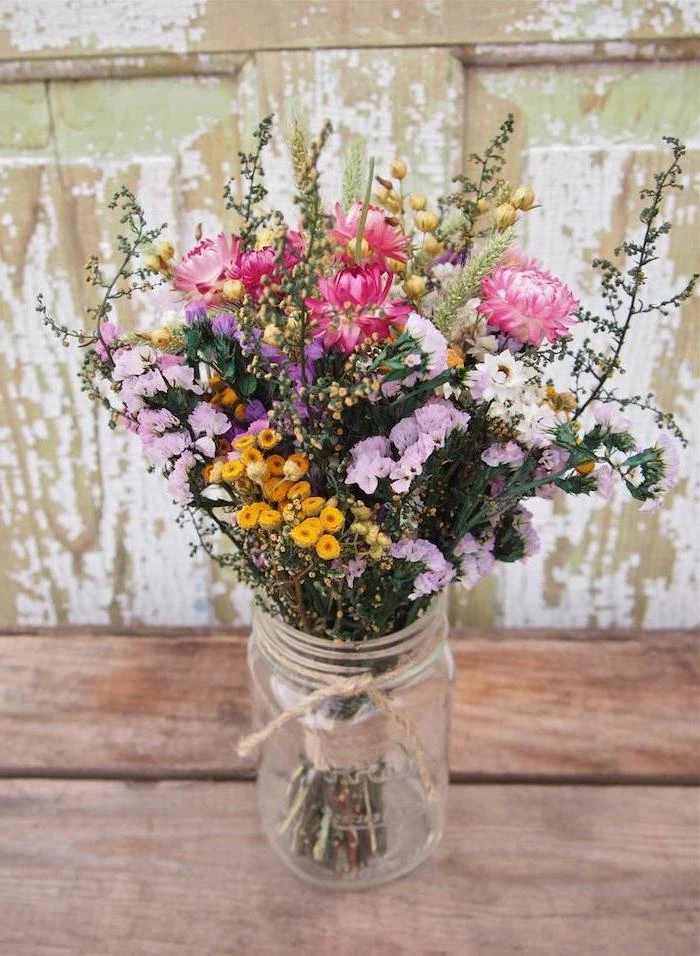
(352, 412)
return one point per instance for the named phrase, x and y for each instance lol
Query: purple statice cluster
(437, 571)
(415, 438)
(175, 444)
(476, 558)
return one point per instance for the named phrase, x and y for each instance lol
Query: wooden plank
(180, 868)
(78, 28)
(175, 704)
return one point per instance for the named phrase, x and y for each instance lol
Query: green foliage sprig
(622, 287)
(484, 184)
(254, 191)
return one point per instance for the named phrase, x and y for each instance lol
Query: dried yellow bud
(165, 249)
(505, 215)
(161, 338)
(414, 286)
(152, 263)
(271, 334)
(393, 201)
(418, 202)
(399, 169)
(483, 205)
(233, 290)
(398, 267)
(433, 246)
(426, 220)
(523, 198)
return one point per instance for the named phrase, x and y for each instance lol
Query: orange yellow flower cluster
(275, 490)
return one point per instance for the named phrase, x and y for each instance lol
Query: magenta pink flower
(353, 306)
(527, 304)
(205, 268)
(254, 266)
(384, 237)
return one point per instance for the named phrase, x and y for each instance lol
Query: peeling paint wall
(87, 534)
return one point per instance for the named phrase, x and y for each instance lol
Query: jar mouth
(283, 644)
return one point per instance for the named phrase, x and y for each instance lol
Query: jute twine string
(363, 683)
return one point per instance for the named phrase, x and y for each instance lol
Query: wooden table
(128, 825)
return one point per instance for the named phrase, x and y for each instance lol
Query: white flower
(499, 377)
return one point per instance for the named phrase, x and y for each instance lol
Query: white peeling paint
(101, 24)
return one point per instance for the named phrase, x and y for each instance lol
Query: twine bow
(371, 685)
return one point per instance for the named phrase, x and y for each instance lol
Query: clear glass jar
(352, 789)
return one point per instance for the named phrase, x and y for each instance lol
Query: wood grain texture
(182, 868)
(60, 28)
(175, 705)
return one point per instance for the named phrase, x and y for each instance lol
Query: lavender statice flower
(132, 360)
(509, 453)
(207, 422)
(178, 479)
(610, 418)
(355, 569)
(438, 571)
(370, 461)
(476, 558)
(522, 523)
(419, 435)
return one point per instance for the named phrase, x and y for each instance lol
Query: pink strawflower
(353, 306)
(254, 266)
(384, 238)
(205, 268)
(527, 304)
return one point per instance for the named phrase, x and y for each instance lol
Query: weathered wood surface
(534, 706)
(46, 29)
(182, 868)
(92, 535)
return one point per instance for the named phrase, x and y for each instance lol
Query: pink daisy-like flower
(205, 268)
(353, 306)
(384, 237)
(529, 305)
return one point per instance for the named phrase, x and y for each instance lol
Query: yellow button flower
(251, 455)
(232, 470)
(332, 519)
(276, 489)
(275, 465)
(248, 516)
(299, 491)
(270, 519)
(313, 506)
(307, 533)
(244, 441)
(328, 547)
(268, 438)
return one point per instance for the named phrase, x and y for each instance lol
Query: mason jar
(352, 747)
